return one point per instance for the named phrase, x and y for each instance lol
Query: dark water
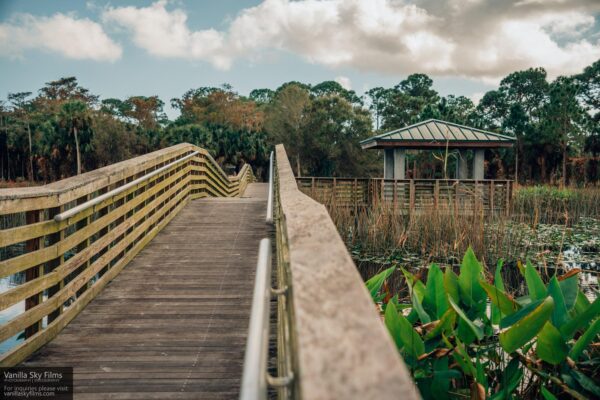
(12, 311)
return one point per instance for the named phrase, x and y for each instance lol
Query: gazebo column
(388, 164)
(394, 163)
(399, 163)
(478, 161)
(462, 170)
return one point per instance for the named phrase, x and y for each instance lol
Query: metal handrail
(254, 378)
(270, 198)
(97, 200)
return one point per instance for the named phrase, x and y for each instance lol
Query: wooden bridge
(146, 278)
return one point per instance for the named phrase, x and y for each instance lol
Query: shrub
(463, 336)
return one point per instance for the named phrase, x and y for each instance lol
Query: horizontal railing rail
(99, 199)
(63, 242)
(339, 346)
(254, 378)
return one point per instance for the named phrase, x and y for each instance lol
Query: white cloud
(483, 39)
(344, 81)
(63, 34)
(165, 33)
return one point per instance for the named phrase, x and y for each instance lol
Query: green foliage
(556, 125)
(375, 283)
(450, 338)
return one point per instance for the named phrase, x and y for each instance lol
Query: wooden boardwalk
(173, 324)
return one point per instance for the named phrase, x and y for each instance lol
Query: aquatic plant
(466, 337)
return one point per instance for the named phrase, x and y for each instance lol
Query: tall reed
(379, 235)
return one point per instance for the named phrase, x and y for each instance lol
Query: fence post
(508, 193)
(436, 194)
(355, 193)
(492, 189)
(395, 195)
(412, 195)
(53, 264)
(31, 217)
(456, 196)
(334, 191)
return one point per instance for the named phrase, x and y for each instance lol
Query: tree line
(64, 129)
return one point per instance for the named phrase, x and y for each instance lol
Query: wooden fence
(79, 233)
(411, 195)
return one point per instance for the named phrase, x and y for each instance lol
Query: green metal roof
(436, 133)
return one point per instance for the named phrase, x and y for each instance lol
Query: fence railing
(406, 195)
(74, 236)
(340, 347)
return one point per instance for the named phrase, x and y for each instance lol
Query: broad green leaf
(463, 359)
(547, 394)
(464, 332)
(481, 375)
(498, 284)
(393, 325)
(410, 278)
(451, 284)
(511, 377)
(514, 318)
(418, 307)
(440, 384)
(535, 286)
(375, 283)
(525, 329)
(569, 288)
(551, 347)
(586, 383)
(500, 299)
(419, 290)
(403, 332)
(445, 324)
(475, 330)
(471, 292)
(581, 304)
(435, 302)
(584, 340)
(560, 314)
(581, 320)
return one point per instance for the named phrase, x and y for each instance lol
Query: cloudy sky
(123, 48)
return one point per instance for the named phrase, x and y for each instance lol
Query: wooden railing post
(492, 189)
(412, 195)
(31, 217)
(334, 191)
(395, 195)
(508, 190)
(53, 264)
(436, 194)
(456, 196)
(355, 193)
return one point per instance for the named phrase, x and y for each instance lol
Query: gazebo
(434, 134)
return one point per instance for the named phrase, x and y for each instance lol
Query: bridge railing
(340, 348)
(491, 196)
(70, 238)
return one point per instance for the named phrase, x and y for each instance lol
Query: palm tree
(74, 115)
